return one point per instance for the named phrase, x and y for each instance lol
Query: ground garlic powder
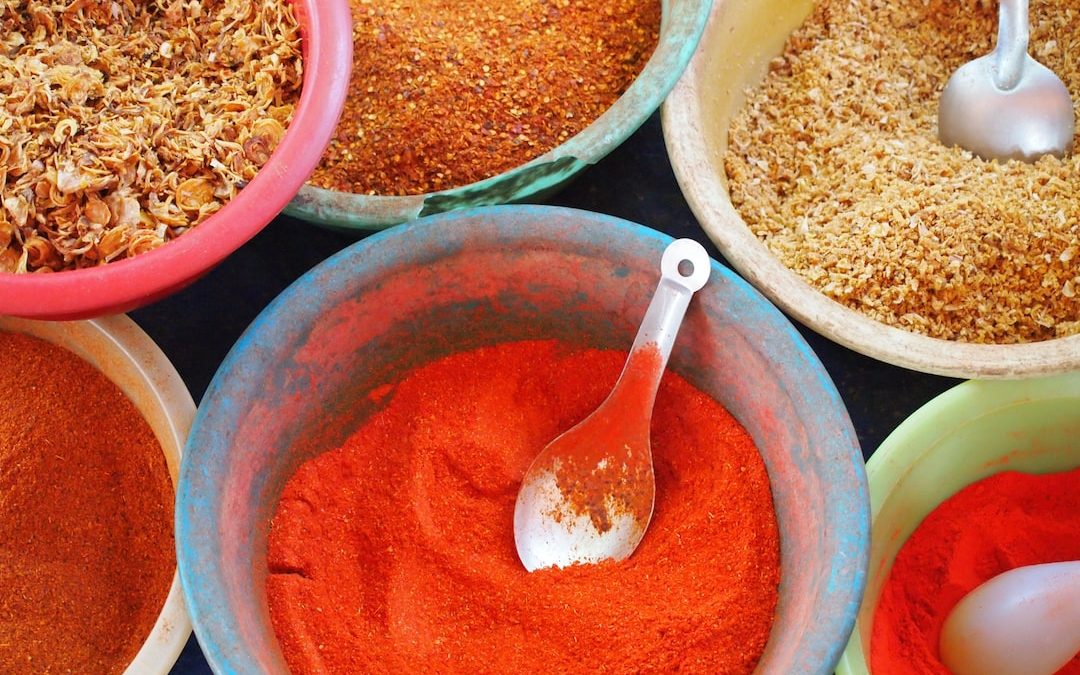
(834, 163)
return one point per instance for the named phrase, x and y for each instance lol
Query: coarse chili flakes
(448, 92)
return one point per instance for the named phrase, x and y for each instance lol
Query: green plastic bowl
(972, 431)
(682, 23)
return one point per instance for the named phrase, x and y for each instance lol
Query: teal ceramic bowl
(463, 280)
(681, 27)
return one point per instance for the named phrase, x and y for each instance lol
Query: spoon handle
(672, 297)
(1012, 43)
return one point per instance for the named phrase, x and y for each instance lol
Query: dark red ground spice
(86, 540)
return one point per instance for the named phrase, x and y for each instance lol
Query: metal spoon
(588, 496)
(1022, 622)
(1006, 105)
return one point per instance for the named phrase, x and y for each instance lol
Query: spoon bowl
(1006, 105)
(1022, 622)
(588, 496)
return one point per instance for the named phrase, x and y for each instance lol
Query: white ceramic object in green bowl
(682, 22)
(968, 433)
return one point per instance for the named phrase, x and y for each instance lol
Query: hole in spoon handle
(679, 255)
(668, 305)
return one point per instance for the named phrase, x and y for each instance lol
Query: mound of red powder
(395, 553)
(1005, 521)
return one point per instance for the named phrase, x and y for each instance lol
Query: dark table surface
(198, 326)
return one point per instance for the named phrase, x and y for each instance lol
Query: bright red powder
(395, 552)
(1007, 520)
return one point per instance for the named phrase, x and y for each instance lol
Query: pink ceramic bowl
(326, 26)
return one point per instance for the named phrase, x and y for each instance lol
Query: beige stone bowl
(740, 38)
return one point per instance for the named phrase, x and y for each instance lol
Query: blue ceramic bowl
(459, 281)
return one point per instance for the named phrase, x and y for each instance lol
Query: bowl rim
(125, 284)
(706, 194)
(849, 565)
(678, 40)
(920, 435)
(125, 340)
(942, 415)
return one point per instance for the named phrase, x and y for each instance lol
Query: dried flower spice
(87, 554)
(124, 123)
(834, 163)
(448, 92)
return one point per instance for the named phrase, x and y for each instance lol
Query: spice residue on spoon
(596, 482)
(588, 495)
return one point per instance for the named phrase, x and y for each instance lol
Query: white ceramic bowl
(127, 356)
(970, 432)
(740, 39)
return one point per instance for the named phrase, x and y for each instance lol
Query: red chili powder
(395, 552)
(87, 554)
(1005, 521)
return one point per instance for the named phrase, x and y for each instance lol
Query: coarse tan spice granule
(125, 123)
(834, 163)
(448, 92)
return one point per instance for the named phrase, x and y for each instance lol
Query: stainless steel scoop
(1007, 105)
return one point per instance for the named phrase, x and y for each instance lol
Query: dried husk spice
(125, 123)
(87, 553)
(448, 92)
